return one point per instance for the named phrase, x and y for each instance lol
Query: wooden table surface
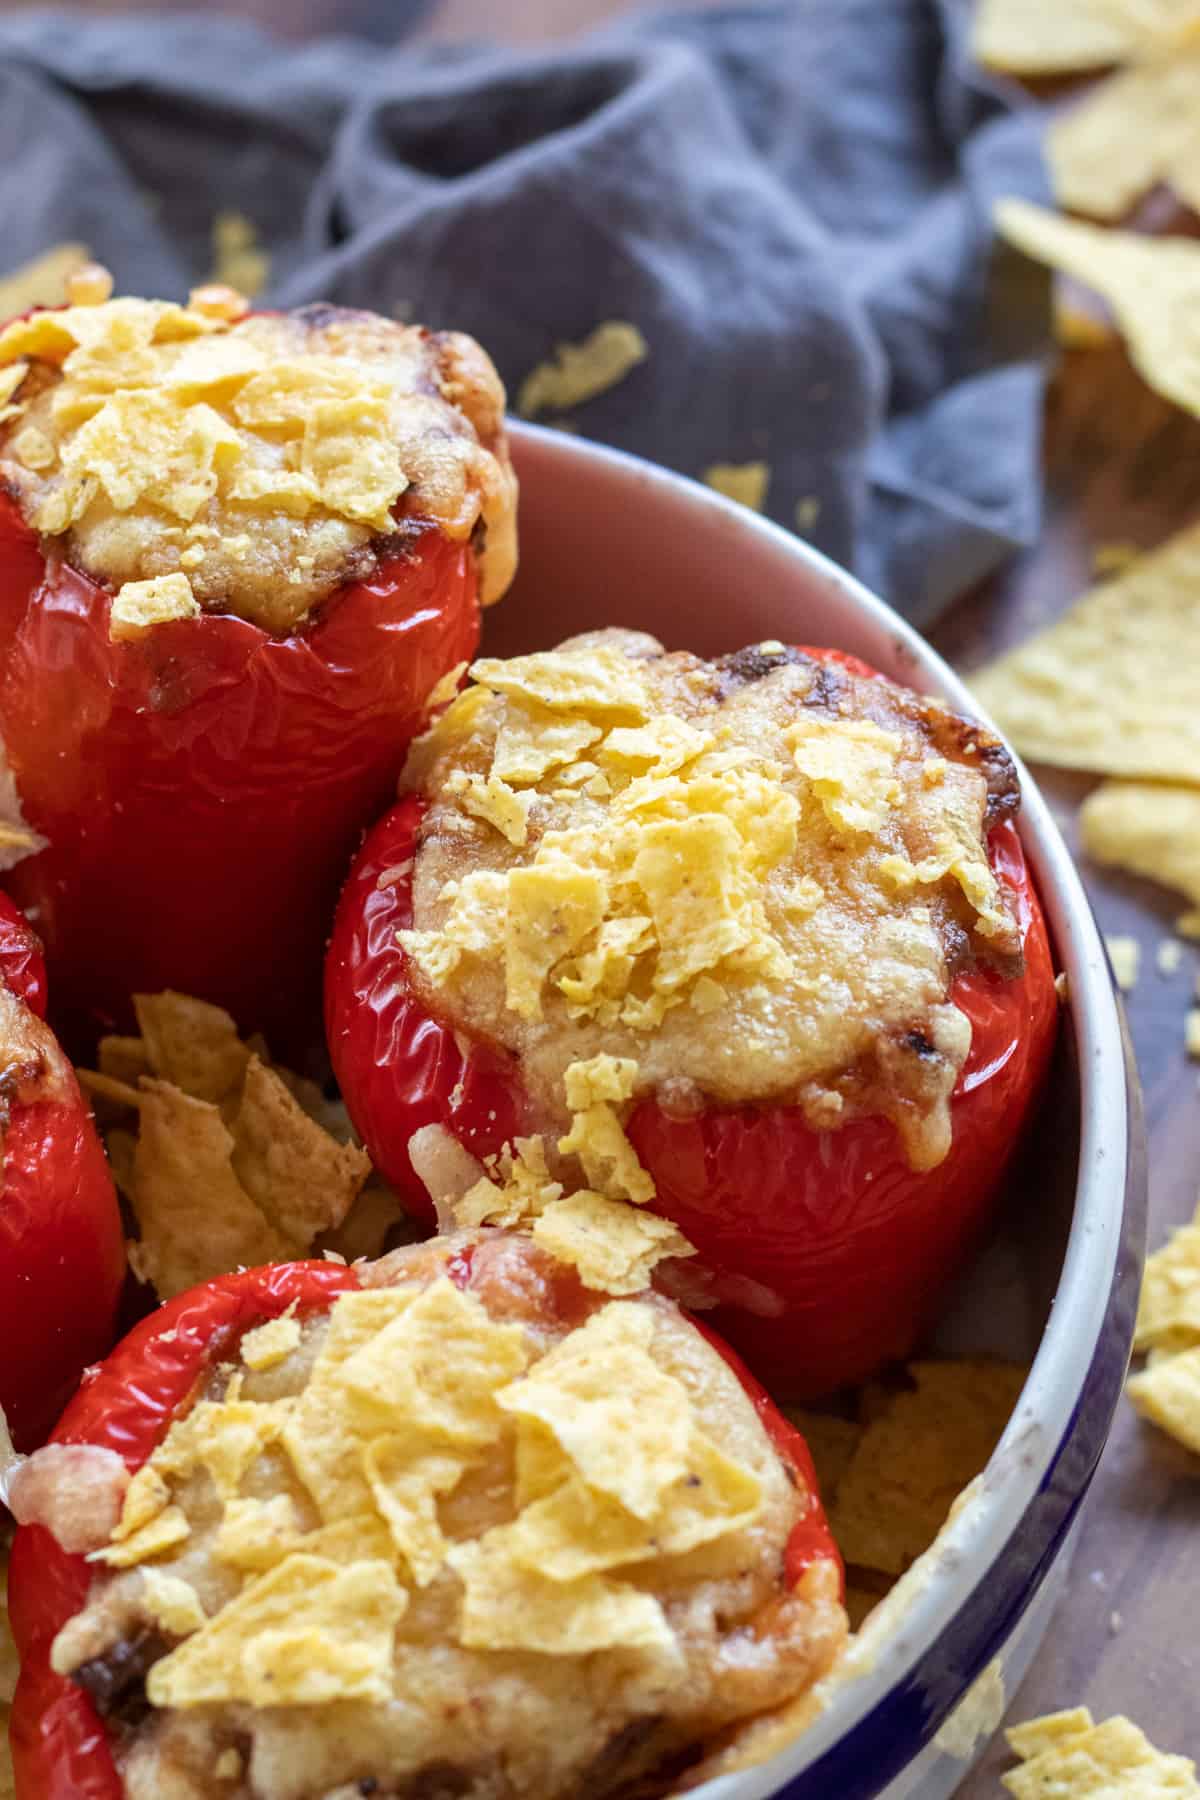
(1120, 466)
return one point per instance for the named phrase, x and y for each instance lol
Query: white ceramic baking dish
(609, 540)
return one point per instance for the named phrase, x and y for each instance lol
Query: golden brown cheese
(557, 1518)
(751, 880)
(253, 463)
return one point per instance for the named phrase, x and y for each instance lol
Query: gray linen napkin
(789, 201)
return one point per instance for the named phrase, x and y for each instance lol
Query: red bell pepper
(60, 1748)
(201, 789)
(62, 1249)
(855, 1246)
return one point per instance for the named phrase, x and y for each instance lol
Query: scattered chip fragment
(1111, 685)
(1125, 955)
(579, 372)
(1151, 284)
(1066, 1754)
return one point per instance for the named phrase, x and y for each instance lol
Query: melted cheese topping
(249, 464)
(752, 881)
(440, 1497)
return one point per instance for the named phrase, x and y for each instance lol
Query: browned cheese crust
(254, 464)
(751, 880)
(510, 1629)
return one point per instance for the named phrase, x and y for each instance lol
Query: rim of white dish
(970, 1546)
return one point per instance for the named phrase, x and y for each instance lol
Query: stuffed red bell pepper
(445, 1523)
(237, 552)
(62, 1249)
(751, 941)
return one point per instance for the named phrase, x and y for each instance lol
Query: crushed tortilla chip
(916, 1456)
(269, 1344)
(304, 1634)
(599, 683)
(832, 1443)
(42, 282)
(579, 372)
(239, 261)
(1026, 37)
(302, 1180)
(1129, 134)
(222, 1137)
(623, 1422)
(1147, 830)
(190, 1043)
(163, 1532)
(406, 1483)
(1067, 1754)
(1150, 284)
(433, 1372)
(507, 1607)
(1110, 686)
(140, 605)
(1169, 1303)
(1125, 955)
(746, 483)
(195, 1217)
(610, 1162)
(172, 1602)
(613, 1247)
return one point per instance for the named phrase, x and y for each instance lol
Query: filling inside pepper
(752, 880)
(475, 1532)
(250, 464)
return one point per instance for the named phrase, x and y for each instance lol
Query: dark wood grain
(1121, 466)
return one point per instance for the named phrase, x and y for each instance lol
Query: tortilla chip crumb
(239, 261)
(1028, 37)
(42, 282)
(1109, 687)
(579, 372)
(1125, 955)
(920, 1449)
(233, 1163)
(1066, 1753)
(745, 482)
(1168, 956)
(1193, 1032)
(1110, 559)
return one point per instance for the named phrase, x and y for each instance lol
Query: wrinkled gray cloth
(790, 201)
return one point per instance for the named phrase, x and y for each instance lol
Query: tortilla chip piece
(163, 1532)
(194, 1215)
(1169, 1304)
(302, 1180)
(432, 1374)
(1168, 1394)
(258, 1534)
(832, 1443)
(507, 1607)
(1035, 1735)
(1027, 37)
(321, 1440)
(190, 1043)
(269, 1344)
(1133, 131)
(579, 372)
(304, 1634)
(406, 1486)
(1147, 830)
(914, 1459)
(746, 483)
(1125, 955)
(1151, 284)
(613, 1246)
(624, 1422)
(172, 1602)
(42, 282)
(1110, 1761)
(1111, 686)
